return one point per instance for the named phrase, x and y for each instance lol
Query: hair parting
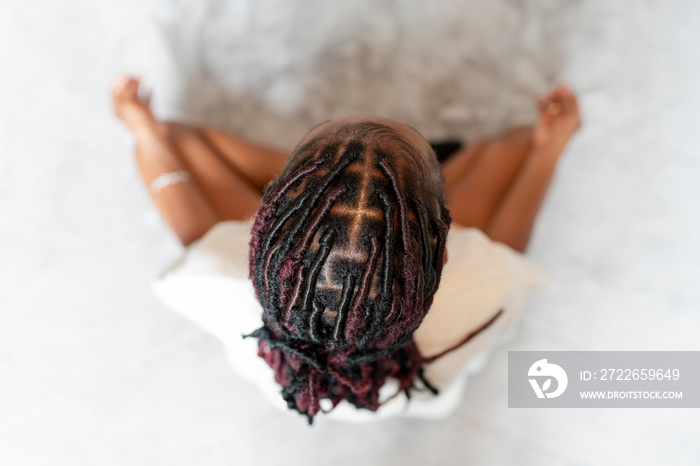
(345, 257)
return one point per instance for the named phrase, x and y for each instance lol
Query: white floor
(94, 371)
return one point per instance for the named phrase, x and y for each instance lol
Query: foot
(133, 111)
(559, 120)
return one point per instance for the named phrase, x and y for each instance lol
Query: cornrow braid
(346, 254)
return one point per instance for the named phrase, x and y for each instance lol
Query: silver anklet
(168, 178)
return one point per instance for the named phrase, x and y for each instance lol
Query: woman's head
(346, 254)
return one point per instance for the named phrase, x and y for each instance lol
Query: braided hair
(346, 254)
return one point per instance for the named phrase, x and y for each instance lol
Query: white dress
(209, 285)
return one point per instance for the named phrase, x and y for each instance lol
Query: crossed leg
(216, 191)
(231, 193)
(256, 163)
(476, 178)
(496, 185)
(499, 185)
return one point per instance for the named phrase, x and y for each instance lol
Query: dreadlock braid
(346, 254)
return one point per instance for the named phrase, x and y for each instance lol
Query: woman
(349, 236)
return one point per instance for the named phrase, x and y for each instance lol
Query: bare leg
(190, 208)
(504, 181)
(256, 163)
(461, 163)
(515, 215)
(477, 177)
(232, 196)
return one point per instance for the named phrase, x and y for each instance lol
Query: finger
(574, 103)
(544, 101)
(119, 83)
(555, 108)
(570, 102)
(134, 88)
(554, 94)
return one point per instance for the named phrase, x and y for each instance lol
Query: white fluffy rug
(451, 68)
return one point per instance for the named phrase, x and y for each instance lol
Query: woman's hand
(559, 120)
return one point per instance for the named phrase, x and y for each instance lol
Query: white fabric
(209, 285)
